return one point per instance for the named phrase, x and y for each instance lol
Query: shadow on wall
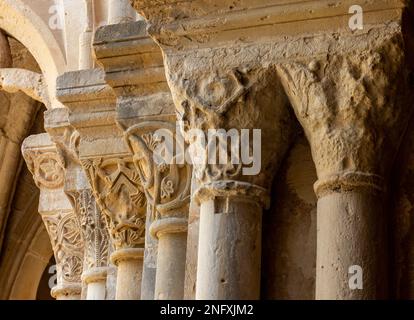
(289, 230)
(47, 280)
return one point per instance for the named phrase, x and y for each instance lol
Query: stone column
(346, 103)
(96, 244)
(110, 171)
(62, 224)
(85, 40)
(223, 92)
(120, 11)
(167, 186)
(78, 190)
(231, 194)
(354, 126)
(134, 68)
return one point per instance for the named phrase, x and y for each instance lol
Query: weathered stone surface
(124, 226)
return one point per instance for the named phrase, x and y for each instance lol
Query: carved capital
(62, 224)
(165, 180)
(248, 104)
(67, 243)
(46, 165)
(77, 188)
(119, 193)
(354, 109)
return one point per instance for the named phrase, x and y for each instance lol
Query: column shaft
(85, 39)
(130, 263)
(96, 291)
(128, 285)
(120, 11)
(350, 233)
(229, 254)
(149, 269)
(172, 248)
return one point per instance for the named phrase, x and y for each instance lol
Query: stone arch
(32, 266)
(26, 250)
(21, 22)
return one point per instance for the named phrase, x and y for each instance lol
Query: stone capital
(338, 80)
(224, 88)
(44, 162)
(120, 195)
(354, 108)
(167, 184)
(62, 223)
(145, 112)
(104, 156)
(78, 189)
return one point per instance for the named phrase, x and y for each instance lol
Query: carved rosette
(47, 168)
(165, 179)
(119, 193)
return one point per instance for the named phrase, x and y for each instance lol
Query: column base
(168, 225)
(67, 292)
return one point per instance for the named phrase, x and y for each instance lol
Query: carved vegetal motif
(166, 183)
(47, 168)
(119, 193)
(93, 227)
(67, 243)
(208, 104)
(346, 103)
(236, 102)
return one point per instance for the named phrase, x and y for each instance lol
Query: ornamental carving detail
(346, 102)
(239, 100)
(120, 195)
(67, 243)
(93, 228)
(47, 168)
(166, 181)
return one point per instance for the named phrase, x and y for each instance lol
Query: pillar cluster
(114, 206)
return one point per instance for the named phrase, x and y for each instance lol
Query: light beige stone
(124, 226)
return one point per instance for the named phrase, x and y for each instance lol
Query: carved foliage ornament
(93, 228)
(240, 100)
(67, 243)
(166, 182)
(209, 104)
(354, 104)
(120, 195)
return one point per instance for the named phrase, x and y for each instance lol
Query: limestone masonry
(206, 149)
